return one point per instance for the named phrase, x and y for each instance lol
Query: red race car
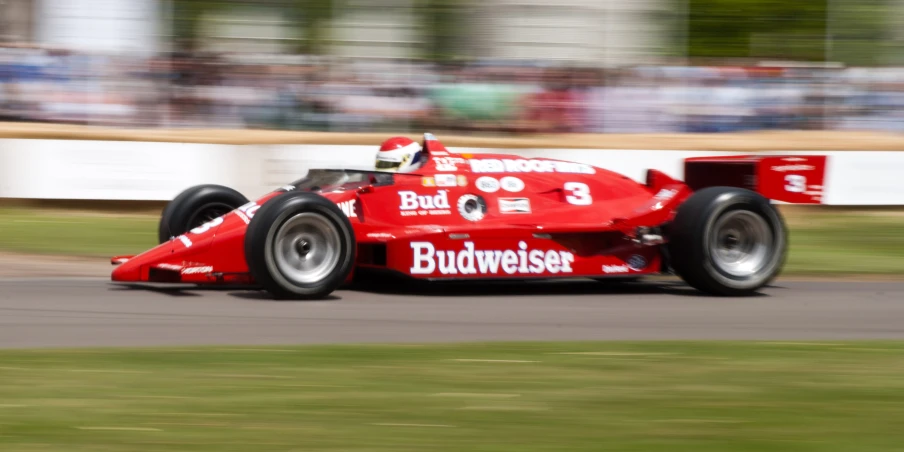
(487, 217)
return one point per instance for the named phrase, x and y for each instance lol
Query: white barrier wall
(110, 170)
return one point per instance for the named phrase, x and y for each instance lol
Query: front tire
(727, 241)
(300, 245)
(195, 206)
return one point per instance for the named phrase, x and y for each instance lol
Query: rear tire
(727, 241)
(300, 245)
(195, 206)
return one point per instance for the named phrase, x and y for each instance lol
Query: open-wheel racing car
(486, 216)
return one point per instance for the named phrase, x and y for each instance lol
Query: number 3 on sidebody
(796, 183)
(579, 194)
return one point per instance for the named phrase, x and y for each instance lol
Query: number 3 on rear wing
(795, 179)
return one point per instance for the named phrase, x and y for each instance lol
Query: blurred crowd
(306, 93)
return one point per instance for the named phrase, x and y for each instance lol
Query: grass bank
(823, 242)
(714, 396)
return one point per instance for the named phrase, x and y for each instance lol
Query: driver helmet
(400, 154)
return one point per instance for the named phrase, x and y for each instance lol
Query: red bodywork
(543, 218)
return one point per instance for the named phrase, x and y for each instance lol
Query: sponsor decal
(246, 212)
(349, 208)
(784, 168)
(665, 195)
(472, 207)
(470, 261)
(794, 159)
(514, 205)
(412, 204)
(637, 262)
(195, 270)
(446, 180)
(462, 180)
(172, 267)
(288, 187)
(379, 235)
(448, 163)
(487, 184)
(528, 166)
(616, 269)
(428, 182)
(512, 184)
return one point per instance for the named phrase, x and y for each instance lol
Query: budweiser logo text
(427, 260)
(437, 204)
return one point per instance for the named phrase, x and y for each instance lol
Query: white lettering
(552, 261)
(410, 200)
(469, 261)
(247, 211)
(349, 208)
(467, 255)
(527, 166)
(194, 270)
(488, 261)
(448, 163)
(796, 183)
(567, 259)
(423, 258)
(616, 269)
(185, 241)
(446, 262)
(509, 262)
(522, 258)
(665, 194)
(784, 168)
(580, 194)
(207, 226)
(536, 261)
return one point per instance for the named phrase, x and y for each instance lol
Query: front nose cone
(131, 270)
(128, 271)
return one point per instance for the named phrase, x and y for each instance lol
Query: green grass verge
(821, 243)
(678, 396)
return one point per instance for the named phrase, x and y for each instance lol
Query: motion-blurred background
(491, 66)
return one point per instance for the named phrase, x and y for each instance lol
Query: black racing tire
(716, 222)
(300, 245)
(195, 206)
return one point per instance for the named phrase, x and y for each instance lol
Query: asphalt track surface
(78, 312)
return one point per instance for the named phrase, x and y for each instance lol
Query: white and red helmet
(400, 154)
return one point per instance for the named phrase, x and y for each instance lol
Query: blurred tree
(311, 16)
(756, 28)
(860, 31)
(444, 28)
(314, 17)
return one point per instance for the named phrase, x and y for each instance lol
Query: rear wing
(788, 178)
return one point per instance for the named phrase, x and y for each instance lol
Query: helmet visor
(385, 164)
(392, 163)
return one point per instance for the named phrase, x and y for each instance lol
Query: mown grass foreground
(822, 242)
(715, 396)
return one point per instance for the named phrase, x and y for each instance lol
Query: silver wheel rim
(306, 248)
(741, 243)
